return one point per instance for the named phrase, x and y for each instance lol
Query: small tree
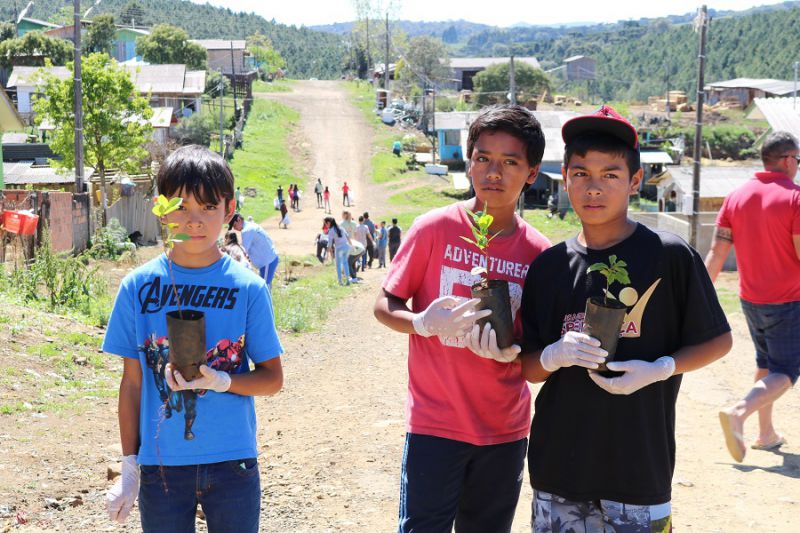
(269, 60)
(495, 79)
(115, 118)
(33, 49)
(168, 44)
(100, 35)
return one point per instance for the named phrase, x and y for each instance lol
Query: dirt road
(331, 441)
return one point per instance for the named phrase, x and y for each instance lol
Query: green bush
(726, 141)
(196, 129)
(110, 242)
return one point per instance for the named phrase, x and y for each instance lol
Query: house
(124, 46)
(715, 184)
(167, 86)
(465, 68)
(9, 121)
(29, 175)
(226, 56)
(745, 90)
(782, 114)
(27, 24)
(580, 68)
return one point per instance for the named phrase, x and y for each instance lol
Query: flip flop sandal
(771, 446)
(733, 440)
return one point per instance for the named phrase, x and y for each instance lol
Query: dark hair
(514, 120)
(366, 215)
(607, 144)
(361, 219)
(394, 221)
(236, 218)
(776, 145)
(198, 171)
(332, 224)
(231, 237)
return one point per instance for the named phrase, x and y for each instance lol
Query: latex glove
(483, 343)
(448, 316)
(211, 379)
(638, 374)
(121, 497)
(573, 349)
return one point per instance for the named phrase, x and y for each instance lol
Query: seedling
(613, 271)
(164, 206)
(480, 230)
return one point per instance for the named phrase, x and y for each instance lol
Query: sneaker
(355, 280)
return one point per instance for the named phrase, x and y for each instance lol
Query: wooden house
(465, 68)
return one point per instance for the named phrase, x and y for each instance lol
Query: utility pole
(433, 125)
(221, 89)
(233, 83)
(666, 80)
(512, 95)
(386, 64)
(370, 72)
(701, 23)
(78, 106)
(794, 93)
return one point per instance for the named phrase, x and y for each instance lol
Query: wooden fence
(134, 212)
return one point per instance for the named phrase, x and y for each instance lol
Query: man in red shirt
(762, 220)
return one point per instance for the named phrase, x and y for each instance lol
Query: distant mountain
(450, 31)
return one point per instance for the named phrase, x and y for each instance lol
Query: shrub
(196, 129)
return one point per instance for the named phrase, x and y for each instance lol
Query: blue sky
(493, 12)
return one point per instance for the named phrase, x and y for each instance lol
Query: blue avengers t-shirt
(188, 427)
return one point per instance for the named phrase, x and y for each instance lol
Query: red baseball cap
(604, 120)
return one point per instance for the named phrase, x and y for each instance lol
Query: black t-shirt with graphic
(587, 444)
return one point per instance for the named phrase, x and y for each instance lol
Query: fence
(135, 214)
(679, 224)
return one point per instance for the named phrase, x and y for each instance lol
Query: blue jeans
(342, 268)
(775, 330)
(445, 481)
(229, 493)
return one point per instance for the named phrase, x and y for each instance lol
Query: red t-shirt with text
(453, 393)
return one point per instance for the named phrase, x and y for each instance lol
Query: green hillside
(308, 53)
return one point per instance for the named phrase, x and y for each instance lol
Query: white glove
(484, 344)
(573, 349)
(211, 379)
(121, 497)
(448, 316)
(638, 374)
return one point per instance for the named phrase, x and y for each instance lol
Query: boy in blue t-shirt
(185, 443)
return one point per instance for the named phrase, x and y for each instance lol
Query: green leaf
(595, 267)
(180, 237)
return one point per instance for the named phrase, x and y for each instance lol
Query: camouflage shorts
(554, 514)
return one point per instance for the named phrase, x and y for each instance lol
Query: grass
(278, 86)
(555, 229)
(264, 161)
(729, 300)
(304, 305)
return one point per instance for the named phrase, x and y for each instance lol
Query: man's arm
(393, 312)
(265, 380)
(532, 369)
(721, 247)
(697, 356)
(130, 395)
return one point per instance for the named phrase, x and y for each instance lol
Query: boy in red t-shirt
(467, 411)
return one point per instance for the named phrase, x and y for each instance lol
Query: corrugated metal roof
(469, 63)
(195, 82)
(715, 182)
(779, 87)
(220, 44)
(551, 122)
(30, 76)
(158, 79)
(574, 58)
(27, 151)
(780, 113)
(23, 173)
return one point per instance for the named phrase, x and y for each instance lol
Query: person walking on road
(371, 251)
(326, 200)
(259, 247)
(346, 195)
(318, 191)
(394, 239)
(339, 245)
(383, 241)
(284, 216)
(761, 220)
(279, 192)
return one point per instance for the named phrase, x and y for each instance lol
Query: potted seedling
(186, 328)
(604, 315)
(493, 293)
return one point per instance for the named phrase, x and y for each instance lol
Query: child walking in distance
(189, 442)
(602, 449)
(468, 411)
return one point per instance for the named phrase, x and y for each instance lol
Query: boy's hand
(638, 374)
(211, 379)
(121, 497)
(448, 316)
(573, 349)
(484, 344)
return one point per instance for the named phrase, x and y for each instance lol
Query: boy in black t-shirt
(602, 449)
